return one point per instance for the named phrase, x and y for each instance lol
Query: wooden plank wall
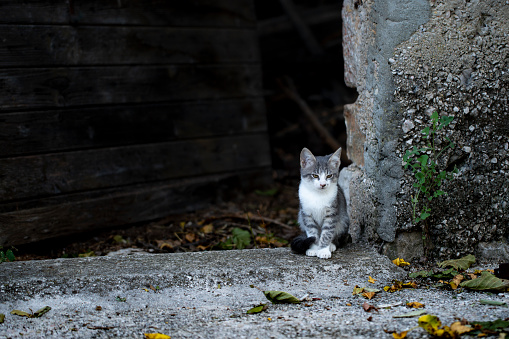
(114, 112)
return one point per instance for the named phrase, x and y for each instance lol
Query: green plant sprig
(424, 164)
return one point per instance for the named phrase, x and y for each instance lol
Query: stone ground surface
(207, 294)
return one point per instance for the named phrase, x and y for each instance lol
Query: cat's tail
(302, 243)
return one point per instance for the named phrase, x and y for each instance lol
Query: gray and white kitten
(322, 215)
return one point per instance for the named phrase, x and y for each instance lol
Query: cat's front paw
(324, 253)
(311, 252)
(332, 247)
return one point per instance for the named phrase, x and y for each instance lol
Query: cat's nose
(323, 185)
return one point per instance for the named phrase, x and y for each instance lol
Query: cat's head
(319, 172)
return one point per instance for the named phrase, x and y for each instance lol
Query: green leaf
(257, 309)
(447, 274)
(444, 121)
(492, 302)
(497, 325)
(438, 193)
(280, 297)
(10, 256)
(42, 311)
(411, 314)
(2, 317)
(423, 159)
(486, 282)
(424, 215)
(459, 264)
(420, 274)
(21, 313)
(434, 115)
(267, 193)
(425, 131)
(241, 238)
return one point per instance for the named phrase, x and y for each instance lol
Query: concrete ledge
(206, 295)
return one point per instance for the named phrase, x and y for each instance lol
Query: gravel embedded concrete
(207, 294)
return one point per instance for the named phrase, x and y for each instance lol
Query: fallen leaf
(371, 280)
(370, 318)
(190, 237)
(21, 313)
(156, 336)
(280, 297)
(456, 281)
(459, 264)
(368, 307)
(489, 326)
(2, 317)
(447, 274)
(257, 309)
(430, 323)
(357, 290)
(492, 302)
(348, 304)
(100, 327)
(411, 314)
(420, 274)
(486, 282)
(433, 326)
(415, 304)
(269, 319)
(401, 335)
(400, 262)
(37, 314)
(368, 295)
(209, 228)
(458, 328)
(42, 311)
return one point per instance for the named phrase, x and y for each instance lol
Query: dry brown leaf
(368, 307)
(455, 282)
(415, 304)
(459, 328)
(368, 295)
(190, 237)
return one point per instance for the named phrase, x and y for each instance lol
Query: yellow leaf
(399, 335)
(430, 323)
(156, 336)
(415, 304)
(456, 281)
(458, 328)
(357, 290)
(368, 295)
(400, 262)
(269, 319)
(411, 284)
(371, 280)
(209, 228)
(348, 304)
(190, 237)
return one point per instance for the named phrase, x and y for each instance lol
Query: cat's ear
(335, 160)
(307, 158)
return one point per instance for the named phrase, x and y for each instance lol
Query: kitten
(323, 215)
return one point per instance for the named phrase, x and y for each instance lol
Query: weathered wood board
(118, 112)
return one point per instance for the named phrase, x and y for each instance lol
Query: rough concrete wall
(406, 59)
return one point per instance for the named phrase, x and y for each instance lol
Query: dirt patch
(257, 220)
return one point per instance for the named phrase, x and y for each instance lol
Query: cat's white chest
(316, 202)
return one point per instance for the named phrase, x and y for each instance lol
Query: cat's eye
(329, 176)
(315, 176)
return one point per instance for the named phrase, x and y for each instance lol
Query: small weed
(8, 255)
(424, 164)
